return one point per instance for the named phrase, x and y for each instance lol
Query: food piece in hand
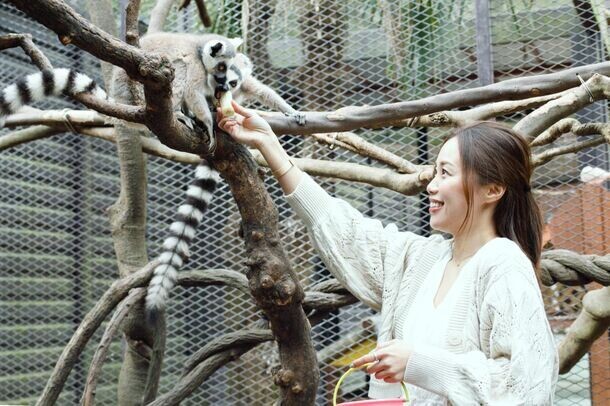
(225, 104)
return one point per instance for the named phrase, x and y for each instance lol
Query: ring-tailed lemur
(200, 66)
(37, 86)
(176, 247)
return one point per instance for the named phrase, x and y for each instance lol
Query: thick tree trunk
(273, 283)
(128, 224)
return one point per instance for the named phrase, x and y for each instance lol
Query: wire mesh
(56, 253)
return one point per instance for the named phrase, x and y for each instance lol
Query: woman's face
(447, 199)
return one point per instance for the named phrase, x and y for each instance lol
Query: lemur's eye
(221, 67)
(233, 83)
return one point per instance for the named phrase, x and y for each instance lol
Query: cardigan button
(453, 340)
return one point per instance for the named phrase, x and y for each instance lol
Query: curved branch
(542, 118)
(591, 323)
(95, 369)
(570, 125)
(117, 291)
(24, 41)
(196, 377)
(225, 342)
(29, 134)
(546, 156)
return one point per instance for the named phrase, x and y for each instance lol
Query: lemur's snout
(220, 89)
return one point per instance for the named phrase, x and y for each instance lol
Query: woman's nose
(432, 186)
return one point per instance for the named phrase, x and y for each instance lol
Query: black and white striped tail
(39, 85)
(182, 231)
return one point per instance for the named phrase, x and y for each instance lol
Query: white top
(427, 324)
(498, 347)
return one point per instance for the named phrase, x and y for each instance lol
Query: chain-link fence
(56, 253)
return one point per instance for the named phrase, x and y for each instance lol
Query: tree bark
(272, 282)
(128, 225)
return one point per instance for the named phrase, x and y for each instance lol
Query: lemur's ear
(215, 49)
(236, 42)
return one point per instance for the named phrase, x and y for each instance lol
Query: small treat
(225, 104)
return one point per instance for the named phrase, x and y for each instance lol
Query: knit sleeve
(354, 248)
(518, 364)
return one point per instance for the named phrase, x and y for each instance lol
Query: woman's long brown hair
(494, 153)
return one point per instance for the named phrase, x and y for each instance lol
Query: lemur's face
(238, 71)
(218, 57)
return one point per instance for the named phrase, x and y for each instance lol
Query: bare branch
(29, 134)
(203, 13)
(592, 322)
(225, 342)
(570, 125)
(99, 357)
(196, 377)
(102, 16)
(348, 119)
(572, 269)
(132, 34)
(25, 42)
(549, 154)
(596, 88)
(58, 118)
(204, 16)
(158, 15)
(117, 291)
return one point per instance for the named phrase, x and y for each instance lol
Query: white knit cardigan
(499, 346)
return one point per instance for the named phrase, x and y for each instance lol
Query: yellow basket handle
(349, 371)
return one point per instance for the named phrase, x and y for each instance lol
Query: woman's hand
(246, 127)
(391, 361)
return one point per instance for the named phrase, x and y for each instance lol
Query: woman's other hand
(389, 361)
(246, 127)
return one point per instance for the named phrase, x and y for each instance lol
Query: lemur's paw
(185, 119)
(298, 117)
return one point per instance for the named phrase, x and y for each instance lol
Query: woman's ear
(494, 192)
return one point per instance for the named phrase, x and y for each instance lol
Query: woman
(462, 319)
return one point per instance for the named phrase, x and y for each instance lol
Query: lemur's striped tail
(39, 85)
(182, 231)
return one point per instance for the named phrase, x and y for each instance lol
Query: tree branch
(592, 322)
(573, 269)
(101, 352)
(25, 42)
(29, 134)
(153, 71)
(122, 111)
(117, 291)
(542, 118)
(158, 15)
(351, 118)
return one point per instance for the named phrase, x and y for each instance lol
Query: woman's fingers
(241, 110)
(376, 368)
(365, 359)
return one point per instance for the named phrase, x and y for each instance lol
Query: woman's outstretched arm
(252, 130)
